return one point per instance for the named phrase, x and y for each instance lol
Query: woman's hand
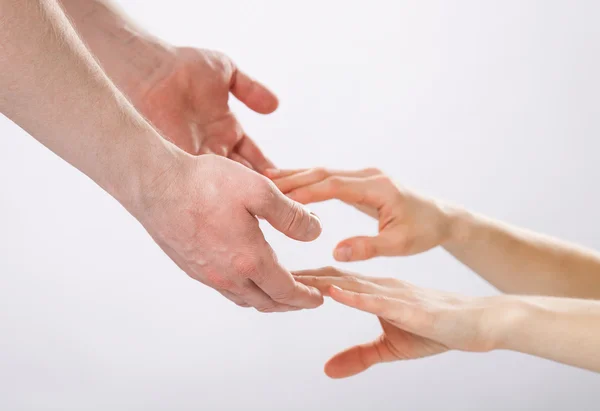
(416, 322)
(408, 223)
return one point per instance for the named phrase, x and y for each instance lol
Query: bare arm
(520, 261)
(52, 87)
(183, 91)
(200, 210)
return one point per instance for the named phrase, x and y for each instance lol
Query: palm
(190, 106)
(403, 345)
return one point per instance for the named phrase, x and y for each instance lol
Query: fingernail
(343, 253)
(314, 227)
(336, 288)
(272, 172)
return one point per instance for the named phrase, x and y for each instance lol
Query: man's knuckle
(246, 265)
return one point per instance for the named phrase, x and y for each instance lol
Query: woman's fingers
(358, 358)
(359, 285)
(351, 190)
(380, 305)
(332, 272)
(288, 180)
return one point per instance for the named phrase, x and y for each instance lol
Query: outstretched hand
(188, 102)
(408, 223)
(416, 322)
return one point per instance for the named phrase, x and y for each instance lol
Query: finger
(274, 173)
(288, 182)
(353, 190)
(382, 306)
(236, 299)
(359, 285)
(359, 358)
(247, 149)
(241, 160)
(285, 215)
(281, 287)
(364, 247)
(335, 272)
(258, 299)
(253, 94)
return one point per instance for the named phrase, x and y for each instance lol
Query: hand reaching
(188, 103)
(408, 223)
(203, 213)
(416, 322)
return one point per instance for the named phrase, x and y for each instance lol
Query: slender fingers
(323, 284)
(288, 180)
(380, 305)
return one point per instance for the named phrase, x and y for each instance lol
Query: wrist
(141, 169)
(503, 320)
(459, 224)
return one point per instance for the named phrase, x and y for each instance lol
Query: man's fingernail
(314, 227)
(343, 253)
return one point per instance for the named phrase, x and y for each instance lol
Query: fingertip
(343, 253)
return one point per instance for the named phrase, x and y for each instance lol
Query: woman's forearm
(51, 86)
(131, 57)
(560, 329)
(522, 262)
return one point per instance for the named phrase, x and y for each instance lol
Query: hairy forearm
(131, 57)
(523, 262)
(51, 86)
(560, 329)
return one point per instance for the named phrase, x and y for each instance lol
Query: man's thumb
(291, 218)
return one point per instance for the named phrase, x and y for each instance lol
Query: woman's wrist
(503, 320)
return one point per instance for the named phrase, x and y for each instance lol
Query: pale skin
(201, 210)
(182, 91)
(552, 311)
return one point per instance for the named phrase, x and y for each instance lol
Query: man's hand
(203, 213)
(183, 92)
(188, 104)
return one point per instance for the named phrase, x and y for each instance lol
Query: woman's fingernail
(343, 253)
(336, 288)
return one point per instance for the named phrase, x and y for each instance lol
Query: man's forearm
(519, 261)
(131, 57)
(560, 329)
(51, 86)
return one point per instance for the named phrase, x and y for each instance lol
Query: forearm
(131, 57)
(560, 329)
(518, 261)
(51, 86)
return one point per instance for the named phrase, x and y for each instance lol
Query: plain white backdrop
(490, 104)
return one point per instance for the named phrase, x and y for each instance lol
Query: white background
(490, 104)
